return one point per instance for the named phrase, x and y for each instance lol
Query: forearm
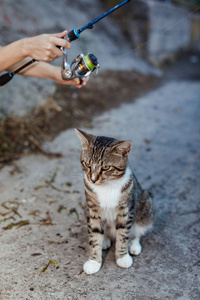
(49, 71)
(39, 69)
(46, 70)
(11, 54)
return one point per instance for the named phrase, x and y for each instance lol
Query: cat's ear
(84, 137)
(122, 148)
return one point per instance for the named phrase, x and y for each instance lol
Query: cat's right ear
(122, 147)
(84, 137)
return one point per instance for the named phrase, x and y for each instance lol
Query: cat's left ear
(123, 147)
(84, 137)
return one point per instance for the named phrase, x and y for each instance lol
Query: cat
(116, 206)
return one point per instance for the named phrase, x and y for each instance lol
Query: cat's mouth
(94, 178)
(99, 181)
(96, 182)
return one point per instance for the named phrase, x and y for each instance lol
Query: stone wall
(169, 30)
(157, 30)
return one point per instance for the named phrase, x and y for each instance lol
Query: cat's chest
(109, 194)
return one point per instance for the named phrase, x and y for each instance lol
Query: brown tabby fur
(127, 209)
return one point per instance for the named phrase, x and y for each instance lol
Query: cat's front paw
(125, 261)
(91, 266)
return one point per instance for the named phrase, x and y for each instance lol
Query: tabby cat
(116, 206)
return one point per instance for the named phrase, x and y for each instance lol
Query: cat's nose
(94, 177)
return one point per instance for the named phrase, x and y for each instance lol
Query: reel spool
(82, 66)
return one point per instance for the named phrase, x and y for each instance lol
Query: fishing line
(152, 39)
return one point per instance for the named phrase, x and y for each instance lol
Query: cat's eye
(105, 168)
(88, 165)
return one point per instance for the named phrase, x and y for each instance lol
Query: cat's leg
(93, 264)
(143, 222)
(135, 247)
(137, 231)
(95, 231)
(123, 258)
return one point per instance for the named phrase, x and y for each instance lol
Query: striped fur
(117, 208)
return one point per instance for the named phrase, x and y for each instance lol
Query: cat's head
(103, 159)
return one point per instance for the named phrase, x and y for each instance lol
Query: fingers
(55, 74)
(76, 81)
(60, 42)
(58, 39)
(80, 83)
(53, 51)
(44, 47)
(57, 52)
(61, 34)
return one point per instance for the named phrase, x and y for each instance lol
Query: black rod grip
(5, 78)
(24, 66)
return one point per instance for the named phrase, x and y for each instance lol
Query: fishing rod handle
(5, 78)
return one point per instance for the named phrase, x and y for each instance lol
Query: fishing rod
(80, 67)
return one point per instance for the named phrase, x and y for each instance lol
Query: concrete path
(164, 126)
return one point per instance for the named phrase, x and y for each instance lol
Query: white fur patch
(109, 214)
(91, 266)
(106, 243)
(93, 177)
(125, 261)
(135, 248)
(138, 231)
(109, 193)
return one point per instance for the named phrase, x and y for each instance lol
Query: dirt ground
(69, 107)
(42, 225)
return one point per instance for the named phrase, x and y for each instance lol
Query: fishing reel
(81, 66)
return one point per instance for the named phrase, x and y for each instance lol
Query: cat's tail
(144, 219)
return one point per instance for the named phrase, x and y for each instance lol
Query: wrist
(55, 73)
(25, 47)
(17, 48)
(45, 70)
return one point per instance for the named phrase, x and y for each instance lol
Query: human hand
(56, 76)
(79, 84)
(44, 47)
